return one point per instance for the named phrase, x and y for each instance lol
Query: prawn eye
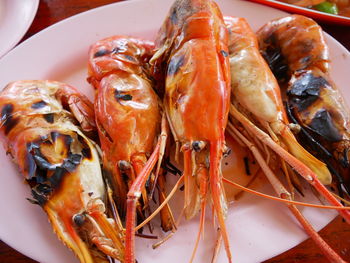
(227, 151)
(123, 165)
(224, 53)
(198, 145)
(79, 219)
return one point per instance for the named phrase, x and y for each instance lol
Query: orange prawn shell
(58, 161)
(133, 125)
(117, 68)
(302, 42)
(31, 104)
(128, 113)
(243, 41)
(192, 62)
(118, 53)
(198, 71)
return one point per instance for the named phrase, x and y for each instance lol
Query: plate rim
(76, 17)
(34, 4)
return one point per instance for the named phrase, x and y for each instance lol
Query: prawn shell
(197, 71)
(294, 41)
(128, 111)
(60, 164)
(252, 82)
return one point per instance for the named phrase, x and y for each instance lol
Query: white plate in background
(16, 16)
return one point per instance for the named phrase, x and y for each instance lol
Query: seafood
(192, 57)
(39, 129)
(261, 95)
(130, 125)
(298, 166)
(256, 92)
(296, 51)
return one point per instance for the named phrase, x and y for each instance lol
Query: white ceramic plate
(15, 18)
(258, 228)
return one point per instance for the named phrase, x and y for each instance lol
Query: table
(337, 233)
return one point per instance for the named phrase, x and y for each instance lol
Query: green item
(327, 7)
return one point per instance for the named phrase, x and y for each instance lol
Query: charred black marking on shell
(86, 151)
(39, 104)
(40, 198)
(34, 202)
(41, 161)
(72, 161)
(115, 50)
(224, 53)
(49, 117)
(7, 119)
(33, 149)
(57, 177)
(305, 90)
(314, 145)
(40, 192)
(67, 139)
(275, 59)
(54, 135)
(320, 152)
(120, 96)
(44, 189)
(323, 125)
(30, 164)
(277, 63)
(175, 63)
(173, 16)
(6, 112)
(42, 182)
(101, 52)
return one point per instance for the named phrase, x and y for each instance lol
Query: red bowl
(325, 17)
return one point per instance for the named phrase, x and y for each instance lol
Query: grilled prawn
(130, 124)
(39, 129)
(256, 93)
(281, 129)
(192, 58)
(297, 53)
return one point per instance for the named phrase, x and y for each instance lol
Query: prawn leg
(284, 194)
(135, 193)
(303, 170)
